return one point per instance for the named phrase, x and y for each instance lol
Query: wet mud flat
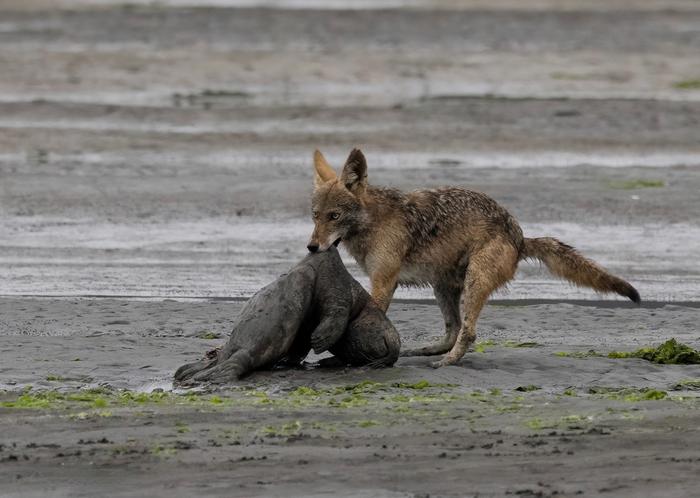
(531, 411)
(163, 150)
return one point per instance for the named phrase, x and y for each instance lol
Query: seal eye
(334, 216)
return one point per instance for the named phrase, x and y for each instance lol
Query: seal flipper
(370, 340)
(230, 369)
(187, 371)
(333, 297)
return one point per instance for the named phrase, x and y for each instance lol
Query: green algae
(480, 347)
(374, 401)
(629, 394)
(635, 184)
(350, 396)
(101, 398)
(691, 84)
(575, 419)
(209, 335)
(509, 408)
(283, 430)
(422, 398)
(128, 397)
(687, 385)
(422, 384)
(670, 352)
(100, 402)
(538, 424)
(305, 391)
(650, 395)
(571, 422)
(324, 426)
(579, 354)
(352, 401)
(157, 450)
(367, 423)
(91, 415)
(33, 401)
(363, 387)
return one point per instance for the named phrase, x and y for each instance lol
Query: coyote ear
(354, 175)
(322, 170)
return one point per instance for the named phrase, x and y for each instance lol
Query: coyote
(460, 242)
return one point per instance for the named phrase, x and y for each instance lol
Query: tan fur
(460, 242)
(564, 261)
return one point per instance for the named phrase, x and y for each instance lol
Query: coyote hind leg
(490, 268)
(447, 297)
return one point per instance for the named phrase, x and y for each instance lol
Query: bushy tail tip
(566, 262)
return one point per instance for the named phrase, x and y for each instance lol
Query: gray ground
(471, 432)
(166, 151)
(163, 151)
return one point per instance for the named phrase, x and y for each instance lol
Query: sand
(155, 170)
(170, 153)
(471, 431)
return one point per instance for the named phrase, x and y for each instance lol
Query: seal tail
(566, 262)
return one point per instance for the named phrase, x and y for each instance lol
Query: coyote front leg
(384, 282)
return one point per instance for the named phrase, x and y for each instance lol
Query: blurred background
(163, 149)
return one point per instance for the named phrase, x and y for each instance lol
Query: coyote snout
(320, 242)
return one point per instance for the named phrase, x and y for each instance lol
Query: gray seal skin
(316, 305)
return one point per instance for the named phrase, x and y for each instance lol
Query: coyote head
(336, 203)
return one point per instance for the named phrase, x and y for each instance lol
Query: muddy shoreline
(169, 155)
(515, 414)
(159, 156)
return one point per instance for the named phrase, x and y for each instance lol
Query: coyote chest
(410, 274)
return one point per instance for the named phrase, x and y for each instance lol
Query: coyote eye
(315, 214)
(334, 216)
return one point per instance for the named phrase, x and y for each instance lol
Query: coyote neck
(381, 220)
(358, 246)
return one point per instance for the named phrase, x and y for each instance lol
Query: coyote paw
(444, 361)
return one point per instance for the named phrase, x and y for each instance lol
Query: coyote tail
(566, 262)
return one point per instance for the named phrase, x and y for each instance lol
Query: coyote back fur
(461, 242)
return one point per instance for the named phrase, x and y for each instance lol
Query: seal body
(316, 305)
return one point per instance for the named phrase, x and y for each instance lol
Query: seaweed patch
(670, 352)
